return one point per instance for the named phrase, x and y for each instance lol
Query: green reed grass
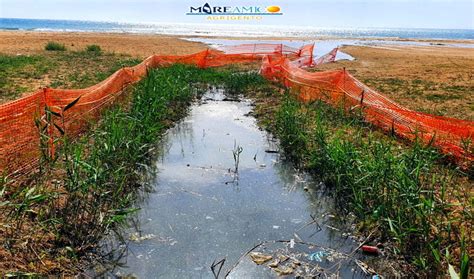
(102, 178)
(101, 173)
(93, 48)
(55, 46)
(398, 190)
(391, 187)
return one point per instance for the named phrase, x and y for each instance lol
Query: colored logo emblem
(273, 9)
(207, 9)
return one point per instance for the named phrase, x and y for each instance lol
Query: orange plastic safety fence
(338, 88)
(20, 137)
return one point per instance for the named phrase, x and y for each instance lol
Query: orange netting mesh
(20, 136)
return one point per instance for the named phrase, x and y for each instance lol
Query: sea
(232, 30)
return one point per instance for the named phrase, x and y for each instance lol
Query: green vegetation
(408, 195)
(68, 69)
(103, 183)
(89, 187)
(54, 46)
(401, 192)
(413, 203)
(21, 67)
(440, 98)
(93, 48)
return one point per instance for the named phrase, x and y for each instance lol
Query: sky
(455, 14)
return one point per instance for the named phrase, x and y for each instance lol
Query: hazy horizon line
(235, 24)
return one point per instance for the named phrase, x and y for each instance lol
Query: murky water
(201, 211)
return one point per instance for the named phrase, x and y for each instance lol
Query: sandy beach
(435, 79)
(24, 42)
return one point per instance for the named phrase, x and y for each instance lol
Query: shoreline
(261, 38)
(142, 45)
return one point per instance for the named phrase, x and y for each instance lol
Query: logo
(234, 12)
(273, 9)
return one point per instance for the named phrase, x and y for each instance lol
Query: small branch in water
(243, 256)
(219, 264)
(314, 221)
(236, 152)
(333, 228)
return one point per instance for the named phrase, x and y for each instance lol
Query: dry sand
(435, 79)
(432, 79)
(24, 42)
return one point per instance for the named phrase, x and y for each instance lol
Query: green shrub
(54, 46)
(93, 48)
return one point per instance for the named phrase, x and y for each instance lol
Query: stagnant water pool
(201, 210)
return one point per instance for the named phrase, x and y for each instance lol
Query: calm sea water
(230, 30)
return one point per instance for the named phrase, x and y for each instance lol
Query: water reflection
(194, 217)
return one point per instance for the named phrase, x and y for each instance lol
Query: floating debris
(296, 220)
(135, 237)
(364, 267)
(283, 258)
(284, 271)
(317, 256)
(274, 264)
(370, 249)
(260, 258)
(292, 243)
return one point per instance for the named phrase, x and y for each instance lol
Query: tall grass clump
(93, 48)
(54, 46)
(292, 129)
(399, 191)
(242, 82)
